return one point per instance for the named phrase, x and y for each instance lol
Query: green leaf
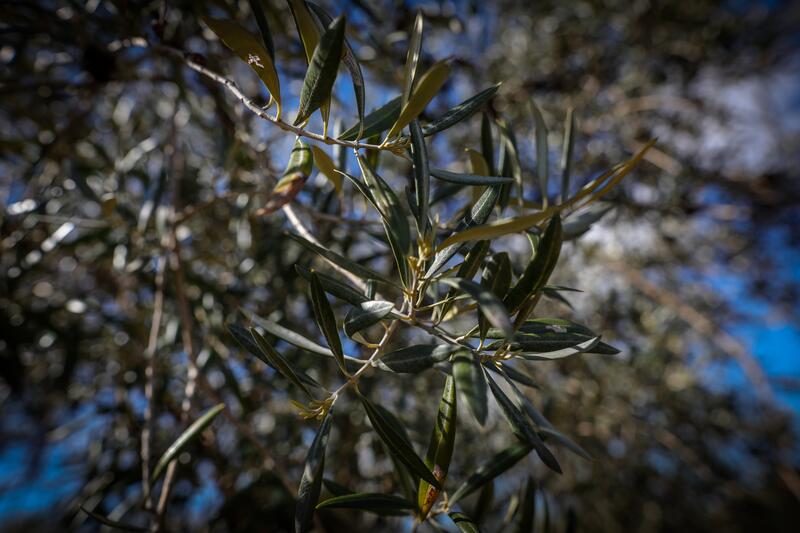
(528, 505)
(335, 488)
(539, 269)
(462, 111)
(514, 374)
(415, 359)
(463, 522)
(249, 50)
(468, 179)
(497, 279)
(311, 482)
(466, 270)
(508, 163)
(542, 154)
(440, 447)
(279, 362)
(111, 523)
(490, 470)
(365, 315)
(428, 87)
(326, 320)
(335, 287)
(422, 177)
(585, 346)
(521, 426)
(579, 224)
(350, 61)
(397, 443)
(376, 122)
(566, 153)
(370, 502)
(180, 443)
(471, 385)
(477, 215)
(490, 306)
(412, 57)
(257, 7)
(393, 216)
(298, 169)
(339, 260)
(310, 37)
(322, 69)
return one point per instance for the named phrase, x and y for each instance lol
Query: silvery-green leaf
(490, 469)
(322, 69)
(440, 446)
(490, 305)
(468, 179)
(415, 359)
(326, 320)
(412, 57)
(563, 353)
(582, 222)
(422, 176)
(466, 270)
(460, 112)
(311, 482)
(365, 315)
(279, 363)
(496, 278)
(471, 385)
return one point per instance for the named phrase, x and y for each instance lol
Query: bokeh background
(694, 274)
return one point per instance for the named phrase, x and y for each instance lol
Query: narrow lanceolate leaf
(370, 502)
(415, 359)
(440, 447)
(279, 362)
(477, 215)
(513, 374)
(464, 523)
(326, 320)
(335, 287)
(539, 269)
(422, 176)
(311, 482)
(185, 438)
(249, 50)
(257, 7)
(350, 61)
(462, 111)
(310, 37)
(521, 426)
(428, 87)
(397, 443)
(477, 163)
(365, 315)
(339, 260)
(376, 122)
(591, 193)
(321, 72)
(471, 385)
(490, 305)
(579, 224)
(490, 470)
(527, 508)
(566, 153)
(412, 57)
(466, 270)
(298, 169)
(325, 165)
(292, 337)
(542, 165)
(497, 279)
(585, 346)
(112, 523)
(468, 179)
(394, 217)
(508, 163)
(487, 143)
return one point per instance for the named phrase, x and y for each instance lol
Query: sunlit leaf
(462, 111)
(468, 179)
(322, 69)
(326, 320)
(257, 7)
(440, 446)
(365, 315)
(249, 50)
(563, 353)
(478, 163)
(311, 482)
(428, 87)
(325, 165)
(185, 438)
(415, 359)
(489, 304)
(490, 469)
(298, 169)
(397, 443)
(422, 176)
(412, 57)
(471, 385)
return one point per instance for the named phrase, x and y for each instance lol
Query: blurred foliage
(103, 144)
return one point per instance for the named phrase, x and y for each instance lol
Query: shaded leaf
(497, 279)
(471, 385)
(539, 269)
(542, 166)
(257, 7)
(489, 304)
(180, 443)
(528, 507)
(468, 179)
(462, 111)
(326, 320)
(412, 56)
(370, 502)
(249, 50)
(566, 153)
(325, 165)
(414, 359)
(440, 446)
(562, 353)
(490, 470)
(111, 523)
(335, 488)
(322, 69)
(422, 176)
(311, 482)
(335, 287)
(279, 363)
(398, 443)
(487, 143)
(463, 522)
(298, 169)
(365, 315)
(466, 270)
(579, 224)
(428, 87)
(376, 122)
